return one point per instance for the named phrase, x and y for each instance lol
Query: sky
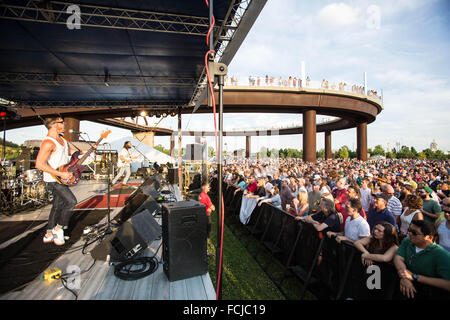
(402, 45)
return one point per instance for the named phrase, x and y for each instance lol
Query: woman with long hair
(300, 204)
(380, 246)
(412, 212)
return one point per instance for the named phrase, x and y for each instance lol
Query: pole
(180, 180)
(365, 83)
(219, 262)
(303, 74)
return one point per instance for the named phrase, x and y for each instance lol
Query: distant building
(434, 146)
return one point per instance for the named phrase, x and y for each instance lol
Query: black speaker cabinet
(131, 238)
(120, 245)
(172, 175)
(184, 225)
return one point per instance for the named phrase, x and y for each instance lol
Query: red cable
(217, 154)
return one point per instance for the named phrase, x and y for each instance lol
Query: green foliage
(211, 152)
(378, 150)
(162, 149)
(343, 152)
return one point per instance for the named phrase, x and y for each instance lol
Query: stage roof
(126, 53)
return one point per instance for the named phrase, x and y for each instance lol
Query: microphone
(75, 131)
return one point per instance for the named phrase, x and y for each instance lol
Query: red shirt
(253, 187)
(204, 199)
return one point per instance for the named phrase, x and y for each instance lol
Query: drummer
(55, 152)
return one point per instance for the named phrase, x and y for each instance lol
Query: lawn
(242, 277)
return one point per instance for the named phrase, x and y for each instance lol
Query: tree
(378, 150)
(343, 152)
(211, 152)
(320, 154)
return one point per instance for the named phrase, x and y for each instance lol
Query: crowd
(294, 82)
(395, 211)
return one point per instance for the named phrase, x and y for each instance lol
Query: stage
(97, 280)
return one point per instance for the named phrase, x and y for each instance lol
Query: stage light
(143, 113)
(164, 114)
(173, 114)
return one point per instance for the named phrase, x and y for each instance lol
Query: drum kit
(22, 191)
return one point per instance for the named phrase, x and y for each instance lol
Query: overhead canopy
(126, 53)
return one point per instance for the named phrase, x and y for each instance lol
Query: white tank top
(406, 221)
(58, 157)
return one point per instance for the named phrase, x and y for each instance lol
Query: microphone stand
(145, 158)
(109, 164)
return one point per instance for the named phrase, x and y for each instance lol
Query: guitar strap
(70, 143)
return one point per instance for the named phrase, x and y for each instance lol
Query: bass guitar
(74, 165)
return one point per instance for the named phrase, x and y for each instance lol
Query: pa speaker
(184, 231)
(172, 175)
(196, 151)
(130, 239)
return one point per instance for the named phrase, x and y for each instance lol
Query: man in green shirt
(431, 210)
(420, 260)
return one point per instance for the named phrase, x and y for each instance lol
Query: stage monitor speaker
(151, 205)
(184, 226)
(172, 175)
(130, 239)
(131, 204)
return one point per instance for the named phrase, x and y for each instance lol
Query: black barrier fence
(326, 268)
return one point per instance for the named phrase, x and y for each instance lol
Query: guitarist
(124, 164)
(55, 152)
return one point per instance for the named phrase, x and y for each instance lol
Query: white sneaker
(48, 239)
(58, 237)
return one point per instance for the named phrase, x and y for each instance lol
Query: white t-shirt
(126, 154)
(357, 228)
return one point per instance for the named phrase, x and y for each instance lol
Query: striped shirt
(394, 206)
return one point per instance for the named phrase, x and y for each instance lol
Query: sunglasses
(414, 232)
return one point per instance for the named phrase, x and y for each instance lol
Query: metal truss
(94, 80)
(105, 17)
(113, 104)
(222, 38)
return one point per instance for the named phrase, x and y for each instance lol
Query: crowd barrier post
(291, 253)
(311, 269)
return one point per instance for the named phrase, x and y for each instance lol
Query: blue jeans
(63, 203)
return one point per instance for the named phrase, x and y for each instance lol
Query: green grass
(242, 276)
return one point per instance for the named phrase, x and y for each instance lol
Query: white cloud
(340, 14)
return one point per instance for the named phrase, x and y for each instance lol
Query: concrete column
(248, 140)
(309, 136)
(147, 138)
(71, 124)
(361, 141)
(328, 153)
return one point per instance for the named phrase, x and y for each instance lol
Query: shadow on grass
(242, 275)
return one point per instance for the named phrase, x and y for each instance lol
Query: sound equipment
(184, 231)
(74, 164)
(172, 175)
(196, 151)
(101, 170)
(130, 239)
(131, 204)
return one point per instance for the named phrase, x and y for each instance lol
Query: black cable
(148, 265)
(63, 280)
